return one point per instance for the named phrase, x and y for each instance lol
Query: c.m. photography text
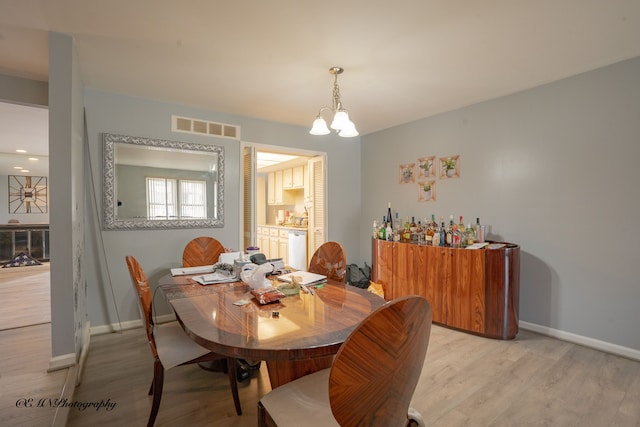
(30, 402)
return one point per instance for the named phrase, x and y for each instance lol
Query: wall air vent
(203, 127)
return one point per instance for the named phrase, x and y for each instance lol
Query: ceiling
(403, 60)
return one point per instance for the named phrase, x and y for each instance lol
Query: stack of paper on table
(307, 277)
(183, 271)
(213, 278)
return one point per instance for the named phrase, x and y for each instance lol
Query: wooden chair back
(141, 285)
(376, 370)
(330, 260)
(201, 251)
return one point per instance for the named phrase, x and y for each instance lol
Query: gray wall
(23, 91)
(553, 169)
(159, 250)
(66, 200)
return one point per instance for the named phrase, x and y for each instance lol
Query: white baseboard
(62, 362)
(131, 324)
(582, 340)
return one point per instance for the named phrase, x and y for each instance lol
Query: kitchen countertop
(285, 226)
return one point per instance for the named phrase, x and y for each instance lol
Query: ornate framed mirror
(160, 184)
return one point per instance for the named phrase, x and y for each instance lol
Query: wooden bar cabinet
(473, 290)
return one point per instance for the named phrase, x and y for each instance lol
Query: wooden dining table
(295, 336)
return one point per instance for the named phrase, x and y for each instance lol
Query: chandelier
(340, 123)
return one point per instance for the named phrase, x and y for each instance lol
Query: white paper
(183, 271)
(213, 278)
(307, 277)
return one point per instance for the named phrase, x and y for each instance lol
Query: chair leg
(156, 387)
(231, 368)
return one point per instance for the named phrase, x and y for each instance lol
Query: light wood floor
(466, 381)
(25, 347)
(24, 359)
(25, 296)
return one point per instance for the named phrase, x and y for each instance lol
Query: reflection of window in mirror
(176, 199)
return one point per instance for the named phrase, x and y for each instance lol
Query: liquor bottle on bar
(443, 234)
(389, 218)
(389, 232)
(397, 229)
(449, 233)
(375, 229)
(412, 230)
(382, 235)
(453, 232)
(461, 227)
(406, 233)
(471, 235)
(479, 231)
(436, 236)
(429, 235)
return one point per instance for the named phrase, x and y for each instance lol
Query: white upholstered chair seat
(305, 401)
(174, 346)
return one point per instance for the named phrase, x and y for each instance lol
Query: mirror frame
(110, 220)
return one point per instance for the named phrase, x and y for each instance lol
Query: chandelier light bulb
(319, 127)
(340, 120)
(349, 130)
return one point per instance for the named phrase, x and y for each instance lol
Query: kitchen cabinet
(298, 176)
(263, 240)
(475, 291)
(283, 245)
(273, 242)
(275, 191)
(293, 178)
(287, 179)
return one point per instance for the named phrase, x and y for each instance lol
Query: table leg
(284, 371)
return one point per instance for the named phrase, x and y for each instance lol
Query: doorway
(283, 190)
(24, 215)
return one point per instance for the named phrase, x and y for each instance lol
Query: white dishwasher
(298, 249)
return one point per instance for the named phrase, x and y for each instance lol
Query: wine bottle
(479, 231)
(389, 218)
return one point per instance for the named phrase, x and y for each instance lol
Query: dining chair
(206, 250)
(170, 345)
(202, 250)
(372, 379)
(329, 259)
